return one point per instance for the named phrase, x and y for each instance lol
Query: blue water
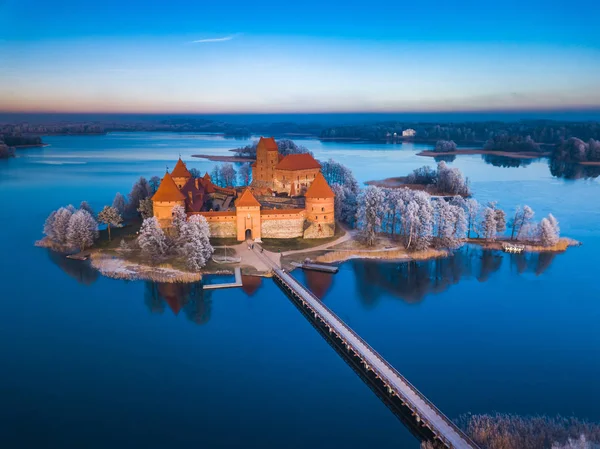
(94, 362)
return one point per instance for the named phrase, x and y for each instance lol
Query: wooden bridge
(427, 420)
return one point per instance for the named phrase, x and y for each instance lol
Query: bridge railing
(448, 421)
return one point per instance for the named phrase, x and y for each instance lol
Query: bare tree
(82, 230)
(523, 216)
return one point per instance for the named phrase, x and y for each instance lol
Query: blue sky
(239, 56)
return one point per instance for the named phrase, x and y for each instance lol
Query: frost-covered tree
(472, 212)
(119, 203)
(49, 230)
(489, 227)
(82, 230)
(152, 240)
(451, 224)
(417, 219)
(287, 146)
(196, 247)
(548, 231)
(451, 181)
(338, 174)
(445, 146)
(146, 208)
(523, 216)
(245, 174)
(61, 224)
(85, 206)
(155, 183)
(500, 217)
(110, 216)
(178, 223)
(140, 191)
(228, 175)
(370, 208)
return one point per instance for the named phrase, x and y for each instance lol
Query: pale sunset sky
(239, 56)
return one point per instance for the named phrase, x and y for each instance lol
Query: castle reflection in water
(408, 281)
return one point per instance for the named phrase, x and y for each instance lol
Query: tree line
(540, 131)
(421, 221)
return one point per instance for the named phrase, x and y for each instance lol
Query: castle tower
(180, 174)
(165, 199)
(320, 209)
(267, 157)
(247, 210)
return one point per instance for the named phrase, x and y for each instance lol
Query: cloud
(215, 39)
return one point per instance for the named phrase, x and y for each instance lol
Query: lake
(94, 362)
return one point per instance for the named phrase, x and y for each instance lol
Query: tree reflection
(446, 158)
(504, 161)
(568, 170)
(79, 270)
(412, 281)
(192, 299)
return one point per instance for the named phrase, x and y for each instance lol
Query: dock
(236, 283)
(425, 418)
(316, 267)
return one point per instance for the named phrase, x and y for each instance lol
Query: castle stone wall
(286, 227)
(319, 231)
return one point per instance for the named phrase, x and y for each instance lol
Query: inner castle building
(289, 198)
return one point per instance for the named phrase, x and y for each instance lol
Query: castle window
(322, 209)
(325, 217)
(316, 217)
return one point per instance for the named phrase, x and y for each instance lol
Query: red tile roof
(268, 143)
(180, 170)
(247, 200)
(319, 188)
(303, 161)
(168, 191)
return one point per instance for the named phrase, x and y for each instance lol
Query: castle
(303, 201)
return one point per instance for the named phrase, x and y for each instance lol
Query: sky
(311, 56)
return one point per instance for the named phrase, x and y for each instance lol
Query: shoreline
(215, 158)
(471, 151)
(398, 183)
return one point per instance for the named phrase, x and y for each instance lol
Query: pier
(236, 283)
(308, 265)
(425, 420)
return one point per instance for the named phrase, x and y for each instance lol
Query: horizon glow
(237, 60)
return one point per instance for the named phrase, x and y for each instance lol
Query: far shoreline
(470, 151)
(216, 158)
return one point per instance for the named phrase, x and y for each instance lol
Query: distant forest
(540, 131)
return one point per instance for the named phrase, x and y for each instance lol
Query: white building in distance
(409, 133)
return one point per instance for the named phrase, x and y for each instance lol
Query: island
(291, 208)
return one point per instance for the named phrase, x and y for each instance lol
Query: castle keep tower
(165, 199)
(180, 174)
(267, 157)
(320, 209)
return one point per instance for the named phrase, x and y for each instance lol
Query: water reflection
(82, 272)
(445, 158)
(192, 299)
(318, 282)
(504, 161)
(569, 170)
(412, 281)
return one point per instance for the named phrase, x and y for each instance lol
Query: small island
(294, 208)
